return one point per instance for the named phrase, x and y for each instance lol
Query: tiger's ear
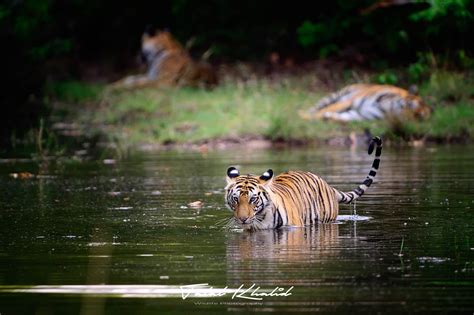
(232, 173)
(267, 176)
(413, 89)
(150, 30)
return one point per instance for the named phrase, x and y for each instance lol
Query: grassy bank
(260, 107)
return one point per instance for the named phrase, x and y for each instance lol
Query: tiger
(168, 64)
(294, 198)
(358, 102)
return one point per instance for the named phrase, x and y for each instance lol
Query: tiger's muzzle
(245, 211)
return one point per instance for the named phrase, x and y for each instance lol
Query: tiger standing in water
(294, 198)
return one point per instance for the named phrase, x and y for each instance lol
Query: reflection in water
(262, 256)
(97, 272)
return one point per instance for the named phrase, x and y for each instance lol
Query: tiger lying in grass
(368, 101)
(168, 64)
(294, 198)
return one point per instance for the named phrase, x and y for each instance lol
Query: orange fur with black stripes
(294, 198)
(168, 64)
(369, 101)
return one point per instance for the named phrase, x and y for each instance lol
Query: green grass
(233, 109)
(261, 107)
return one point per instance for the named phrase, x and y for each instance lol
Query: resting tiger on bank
(369, 101)
(168, 64)
(294, 198)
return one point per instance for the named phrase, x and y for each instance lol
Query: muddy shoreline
(259, 142)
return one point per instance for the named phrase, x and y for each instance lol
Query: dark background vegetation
(48, 40)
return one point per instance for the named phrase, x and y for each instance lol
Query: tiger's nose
(243, 219)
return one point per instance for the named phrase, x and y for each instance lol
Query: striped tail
(348, 197)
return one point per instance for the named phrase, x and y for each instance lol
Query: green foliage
(73, 91)
(387, 77)
(50, 27)
(417, 70)
(421, 69)
(451, 121)
(427, 24)
(53, 48)
(428, 64)
(32, 23)
(308, 33)
(30, 17)
(445, 87)
(464, 60)
(439, 8)
(46, 142)
(4, 12)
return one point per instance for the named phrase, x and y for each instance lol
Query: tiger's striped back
(305, 197)
(366, 102)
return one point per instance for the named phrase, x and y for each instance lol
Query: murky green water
(128, 225)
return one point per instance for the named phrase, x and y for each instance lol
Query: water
(128, 225)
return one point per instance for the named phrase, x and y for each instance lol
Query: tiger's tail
(348, 197)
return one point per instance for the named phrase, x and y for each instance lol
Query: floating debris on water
(196, 204)
(45, 176)
(434, 260)
(22, 175)
(94, 244)
(352, 218)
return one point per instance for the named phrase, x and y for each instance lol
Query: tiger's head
(155, 42)
(420, 109)
(248, 198)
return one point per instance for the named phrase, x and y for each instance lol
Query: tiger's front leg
(131, 82)
(350, 115)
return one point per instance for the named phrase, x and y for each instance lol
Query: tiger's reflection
(277, 257)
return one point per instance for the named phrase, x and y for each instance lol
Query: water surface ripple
(99, 238)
